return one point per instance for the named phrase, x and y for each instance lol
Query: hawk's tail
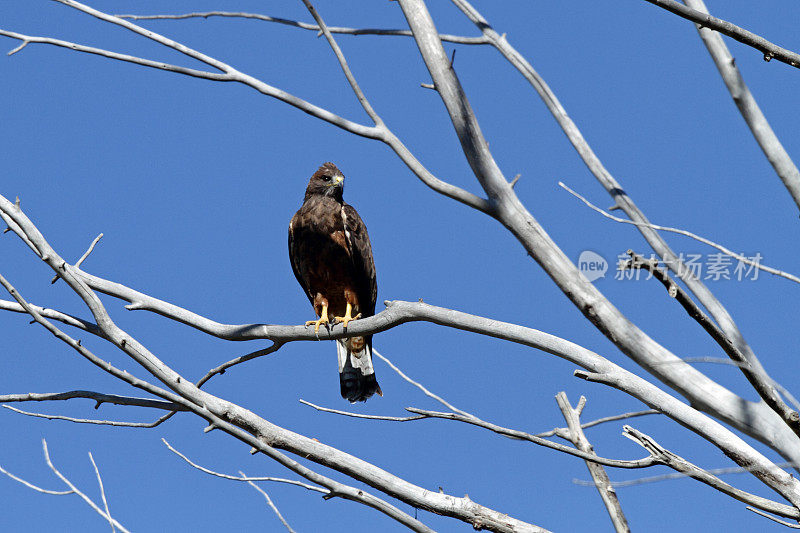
(356, 374)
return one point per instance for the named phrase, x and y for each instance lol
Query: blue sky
(193, 184)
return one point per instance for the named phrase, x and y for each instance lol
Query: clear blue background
(193, 184)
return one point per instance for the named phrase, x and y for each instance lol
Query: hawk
(332, 259)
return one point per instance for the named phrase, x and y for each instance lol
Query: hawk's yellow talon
(346, 319)
(320, 320)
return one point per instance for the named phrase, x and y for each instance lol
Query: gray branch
(99, 398)
(243, 478)
(272, 504)
(115, 423)
(521, 435)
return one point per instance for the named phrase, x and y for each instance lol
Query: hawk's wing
(299, 268)
(363, 264)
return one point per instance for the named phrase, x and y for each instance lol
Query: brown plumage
(332, 259)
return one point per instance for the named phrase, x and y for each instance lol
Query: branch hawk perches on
(332, 259)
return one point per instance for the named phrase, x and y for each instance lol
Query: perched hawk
(332, 259)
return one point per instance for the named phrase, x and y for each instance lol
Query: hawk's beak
(339, 180)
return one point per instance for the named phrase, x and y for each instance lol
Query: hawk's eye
(326, 178)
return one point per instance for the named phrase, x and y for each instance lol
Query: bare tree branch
(27, 39)
(599, 475)
(553, 432)
(91, 357)
(65, 318)
(614, 418)
(228, 73)
(769, 50)
(243, 477)
(359, 415)
(677, 475)
(780, 388)
(724, 250)
(343, 63)
(521, 435)
(458, 39)
(34, 487)
(99, 397)
(89, 420)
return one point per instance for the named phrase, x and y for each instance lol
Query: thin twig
(99, 398)
(421, 386)
(34, 487)
(724, 250)
(778, 520)
(102, 492)
(238, 360)
(243, 477)
(521, 435)
(269, 502)
(359, 415)
(728, 470)
(89, 420)
(458, 39)
(11, 53)
(83, 257)
(604, 420)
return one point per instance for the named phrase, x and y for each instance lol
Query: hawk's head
(326, 181)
